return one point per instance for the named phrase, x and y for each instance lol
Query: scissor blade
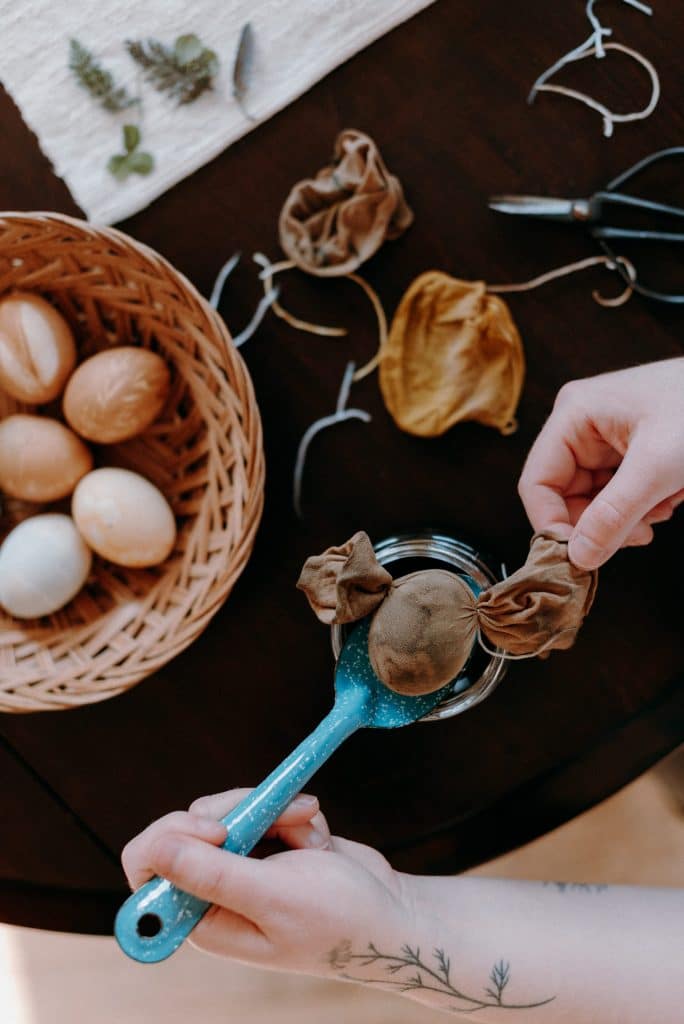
(535, 206)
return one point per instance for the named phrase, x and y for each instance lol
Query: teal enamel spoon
(156, 919)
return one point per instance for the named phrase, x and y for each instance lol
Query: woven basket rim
(245, 441)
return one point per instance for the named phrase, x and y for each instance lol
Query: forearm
(531, 952)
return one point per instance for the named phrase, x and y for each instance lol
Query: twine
(573, 268)
(594, 46)
(267, 275)
(497, 652)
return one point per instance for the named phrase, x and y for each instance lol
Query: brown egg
(124, 517)
(116, 394)
(40, 459)
(37, 350)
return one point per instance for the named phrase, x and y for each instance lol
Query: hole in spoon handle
(156, 919)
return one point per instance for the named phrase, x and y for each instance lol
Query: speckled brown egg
(40, 458)
(37, 350)
(116, 394)
(124, 517)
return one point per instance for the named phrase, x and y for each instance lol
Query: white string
(595, 47)
(260, 312)
(339, 416)
(221, 278)
(610, 118)
(600, 31)
(264, 305)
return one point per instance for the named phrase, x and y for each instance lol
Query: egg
(40, 458)
(124, 517)
(37, 350)
(44, 562)
(116, 394)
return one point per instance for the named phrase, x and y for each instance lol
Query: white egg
(44, 562)
(123, 517)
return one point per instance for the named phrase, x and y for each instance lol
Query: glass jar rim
(439, 546)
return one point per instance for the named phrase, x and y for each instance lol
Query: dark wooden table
(444, 95)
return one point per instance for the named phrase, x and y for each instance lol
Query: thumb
(604, 526)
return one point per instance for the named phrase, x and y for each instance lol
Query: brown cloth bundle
(424, 625)
(453, 353)
(332, 223)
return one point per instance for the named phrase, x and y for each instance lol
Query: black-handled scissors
(592, 212)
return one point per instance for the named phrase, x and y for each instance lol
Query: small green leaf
(187, 48)
(131, 137)
(141, 163)
(118, 166)
(211, 62)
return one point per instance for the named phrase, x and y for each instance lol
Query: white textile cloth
(296, 43)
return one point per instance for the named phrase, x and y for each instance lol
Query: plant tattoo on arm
(409, 972)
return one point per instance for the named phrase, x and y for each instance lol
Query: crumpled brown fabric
(541, 606)
(345, 583)
(453, 353)
(424, 625)
(332, 223)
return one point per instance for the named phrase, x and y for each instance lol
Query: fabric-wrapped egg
(116, 394)
(40, 458)
(423, 632)
(37, 350)
(124, 517)
(44, 562)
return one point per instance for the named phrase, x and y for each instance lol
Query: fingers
(179, 849)
(568, 452)
(614, 515)
(313, 836)
(300, 826)
(137, 855)
(299, 812)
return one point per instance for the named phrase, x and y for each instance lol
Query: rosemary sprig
(184, 72)
(98, 82)
(132, 160)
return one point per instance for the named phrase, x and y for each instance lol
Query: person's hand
(288, 911)
(609, 462)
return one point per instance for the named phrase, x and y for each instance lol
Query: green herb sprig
(184, 72)
(133, 160)
(98, 82)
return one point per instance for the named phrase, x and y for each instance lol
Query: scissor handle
(641, 165)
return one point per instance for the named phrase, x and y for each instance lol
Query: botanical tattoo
(577, 886)
(412, 973)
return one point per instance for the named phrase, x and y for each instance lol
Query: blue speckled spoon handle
(156, 919)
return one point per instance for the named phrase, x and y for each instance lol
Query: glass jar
(429, 549)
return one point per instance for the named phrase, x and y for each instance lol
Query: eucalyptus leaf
(141, 163)
(131, 137)
(187, 48)
(118, 166)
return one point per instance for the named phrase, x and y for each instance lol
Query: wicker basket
(204, 452)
